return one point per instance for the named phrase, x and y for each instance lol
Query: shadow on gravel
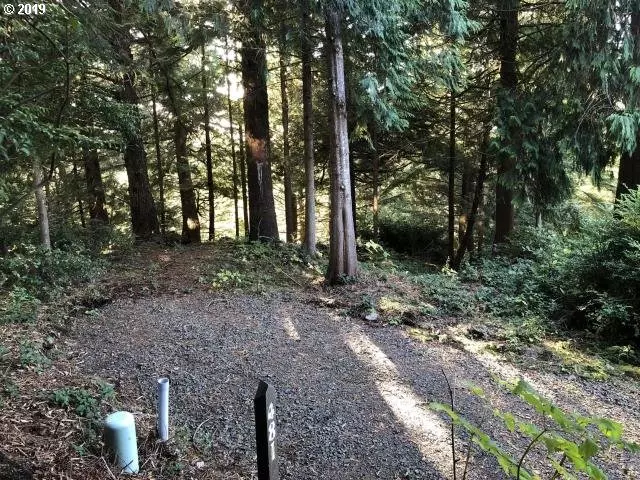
(334, 421)
(421, 364)
(352, 400)
(10, 470)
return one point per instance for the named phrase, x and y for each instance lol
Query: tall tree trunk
(352, 181)
(60, 202)
(76, 188)
(451, 194)
(509, 82)
(299, 196)
(243, 171)
(190, 220)
(375, 199)
(236, 213)
(159, 167)
(207, 147)
(350, 128)
(342, 238)
(262, 215)
(465, 197)
(629, 170)
(95, 188)
(310, 236)
(294, 214)
(243, 182)
(233, 141)
(480, 233)
(144, 216)
(466, 244)
(289, 197)
(41, 204)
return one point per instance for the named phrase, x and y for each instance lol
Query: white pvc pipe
(163, 409)
(120, 438)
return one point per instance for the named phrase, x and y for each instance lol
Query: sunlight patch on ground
(425, 428)
(291, 329)
(506, 371)
(572, 395)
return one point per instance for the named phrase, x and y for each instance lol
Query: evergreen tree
(262, 214)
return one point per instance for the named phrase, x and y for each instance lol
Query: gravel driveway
(352, 397)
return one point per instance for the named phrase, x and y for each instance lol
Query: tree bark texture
(375, 196)
(78, 193)
(466, 244)
(289, 196)
(262, 213)
(508, 11)
(629, 170)
(342, 239)
(95, 188)
(243, 182)
(159, 167)
(144, 216)
(41, 204)
(207, 149)
(466, 191)
(451, 194)
(310, 235)
(233, 142)
(190, 220)
(189, 207)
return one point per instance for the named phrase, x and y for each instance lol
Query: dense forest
(484, 152)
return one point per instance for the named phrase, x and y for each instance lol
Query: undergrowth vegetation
(578, 276)
(31, 275)
(257, 266)
(585, 280)
(562, 444)
(580, 273)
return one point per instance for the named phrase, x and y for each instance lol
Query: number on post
(266, 434)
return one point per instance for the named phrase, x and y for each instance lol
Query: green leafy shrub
(447, 292)
(32, 274)
(588, 280)
(510, 289)
(79, 399)
(270, 251)
(228, 279)
(596, 276)
(10, 389)
(257, 265)
(86, 403)
(31, 355)
(373, 252)
(367, 305)
(19, 306)
(69, 237)
(570, 442)
(82, 401)
(409, 234)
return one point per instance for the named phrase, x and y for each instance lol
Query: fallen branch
(106, 465)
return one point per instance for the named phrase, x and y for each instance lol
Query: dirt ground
(352, 395)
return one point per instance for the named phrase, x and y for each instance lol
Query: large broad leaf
(486, 443)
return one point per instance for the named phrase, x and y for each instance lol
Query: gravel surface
(352, 397)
